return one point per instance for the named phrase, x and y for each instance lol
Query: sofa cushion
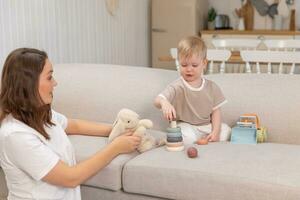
(275, 98)
(221, 171)
(102, 90)
(110, 176)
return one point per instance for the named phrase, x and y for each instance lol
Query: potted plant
(211, 18)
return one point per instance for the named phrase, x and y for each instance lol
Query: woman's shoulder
(11, 125)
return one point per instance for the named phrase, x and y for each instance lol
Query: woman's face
(47, 83)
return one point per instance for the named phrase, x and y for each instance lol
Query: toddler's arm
(167, 109)
(214, 136)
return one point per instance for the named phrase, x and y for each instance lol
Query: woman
(35, 152)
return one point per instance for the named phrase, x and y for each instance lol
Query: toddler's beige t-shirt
(194, 105)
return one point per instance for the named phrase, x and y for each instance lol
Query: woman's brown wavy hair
(19, 89)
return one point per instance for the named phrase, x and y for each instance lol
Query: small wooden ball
(192, 152)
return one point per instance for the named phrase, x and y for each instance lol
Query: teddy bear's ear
(117, 129)
(115, 122)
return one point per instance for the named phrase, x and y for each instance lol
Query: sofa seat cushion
(110, 176)
(221, 171)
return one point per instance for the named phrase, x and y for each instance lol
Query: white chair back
(213, 55)
(173, 52)
(217, 55)
(236, 43)
(288, 44)
(270, 57)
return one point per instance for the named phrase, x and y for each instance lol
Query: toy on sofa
(248, 130)
(129, 120)
(174, 138)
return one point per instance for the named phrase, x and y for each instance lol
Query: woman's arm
(215, 126)
(67, 176)
(82, 127)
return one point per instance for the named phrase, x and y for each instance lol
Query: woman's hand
(168, 110)
(126, 142)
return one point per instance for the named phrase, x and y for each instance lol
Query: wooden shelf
(253, 32)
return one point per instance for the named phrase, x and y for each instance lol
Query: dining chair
(213, 56)
(236, 44)
(280, 44)
(270, 57)
(283, 45)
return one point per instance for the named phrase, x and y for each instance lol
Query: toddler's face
(191, 68)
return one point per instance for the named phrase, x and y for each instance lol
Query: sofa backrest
(98, 92)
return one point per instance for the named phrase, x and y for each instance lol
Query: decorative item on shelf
(111, 6)
(246, 15)
(272, 11)
(241, 25)
(291, 6)
(293, 20)
(283, 9)
(261, 6)
(277, 22)
(222, 22)
(211, 19)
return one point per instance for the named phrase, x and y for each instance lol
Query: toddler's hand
(126, 143)
(213, 137)
(168, 110)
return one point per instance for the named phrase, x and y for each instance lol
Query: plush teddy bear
(129, 120)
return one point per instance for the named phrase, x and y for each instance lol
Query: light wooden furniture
(213, 55)
(172, 20)
(209, 35)
(270, 57)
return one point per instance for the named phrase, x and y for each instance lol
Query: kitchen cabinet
(171, 21)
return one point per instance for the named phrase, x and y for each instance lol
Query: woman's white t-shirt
(26, 157)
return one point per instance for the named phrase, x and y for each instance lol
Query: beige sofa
(223, 171)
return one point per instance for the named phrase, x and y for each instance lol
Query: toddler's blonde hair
(191, 45)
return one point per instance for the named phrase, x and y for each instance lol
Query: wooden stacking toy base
(180, 148)
(174, 138)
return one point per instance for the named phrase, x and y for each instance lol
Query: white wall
(79, 31)
(260, 22)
